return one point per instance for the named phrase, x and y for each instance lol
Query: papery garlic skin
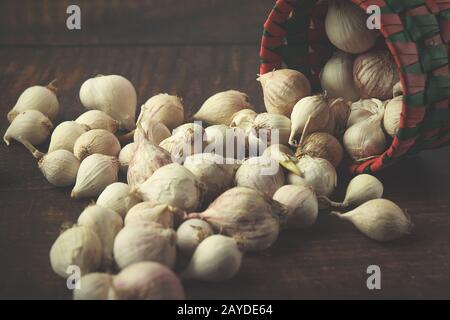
(65, 135)
(260, 173)
(125, 156)
(362, 110)
(118, 197)
(152, 211)
(60, 168)
(392, 116)
(345, 26)
(397, 90)
(97, 119)
(274, 124)
(340, 113)
(96, 172)
(319, 173)
(379, 219)
(375, 74)
(145, 241)
(322, 145)
(337, 77)
(95, 286)
(361, 189)
(191, 233)
(283, 89)
(185, 141)
(79, 246)
(220, 108)
(243, 119)
(147, 281)
(294, 179)
(106, 224)
(163, 108)
(303, 205)
(39, 98)
(153, 131)
(96, 141)
(112, 94)
(175, 185)
(216, 259)
(226, 142)
(283, 155)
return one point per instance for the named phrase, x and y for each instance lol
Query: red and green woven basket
(417, 33)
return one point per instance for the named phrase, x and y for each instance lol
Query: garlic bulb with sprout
(339, 113)
(79, 246)
(152, 211)
(212, 171)
(296, 180)
(216, 259)
(29, 128)
(243, 119)
(95, 286)
(379, 219)
(397, 90)
(39, 98)
(145, 241)
(175, 185)
(282, 89)
(361, 189)
(96, 141)
(251, 217)
(186, 140)
(337, 77)
(392, 116)
(220, 108)
(260, 173)
(147, 158)
(106, 224)
(125, 156)
(274, 124)
(59, 167)
(283, 155)
(65, 135)
(224, 141)
(163, 108)
(153, 131)
(191, 233)
(366, 138)
(319, 173)
(345, 26)
(321, 145)
(96, 172)
(96, 119)
(362, 110)
(118, 197)
(311, 113)
(112, 94)
(375, 73)
(147, 281)
(302, 203)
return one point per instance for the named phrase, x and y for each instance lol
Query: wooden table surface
(195, 48)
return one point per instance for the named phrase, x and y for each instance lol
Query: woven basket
(417, 33)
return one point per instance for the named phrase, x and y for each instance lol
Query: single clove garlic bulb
(397, 90)
(65, 135)
(294, 179)
(249, 216)
(152, 211)
(311, 113)
(260, 173)
(302, 203)
(321, 145)
(243, 119)
(273, 124)
(30, 128)
(379, 219)
(392, 116)
(59, 167)
(112, 94)
(125, 156)
(175, 185)
(220, 108)
(362, 110)
(191, 233)
(118, 197)
(39, 98)
(319, 173)
(95, 286)
(96, 141)
(106, 224)
(339, 113)
(79, 246)
(163, 108)
(96, 119)
(225, 141)
(145, 241)
(186, 140)
(282, 89)
(153, 131)
(337, 77)
(216, 259)
(96, 172)
(283, 155)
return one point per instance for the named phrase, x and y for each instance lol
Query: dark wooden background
(194, 48)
